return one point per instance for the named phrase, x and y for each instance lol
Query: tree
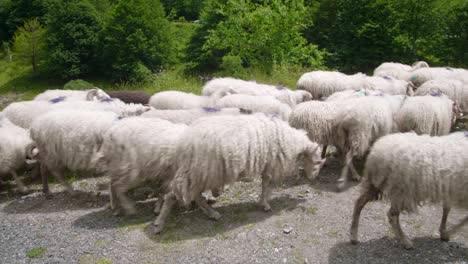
(138, 40)
(73, 29)
(454, 44)
(261, 33)
(190, 9)
(28, 42)
(21, 11)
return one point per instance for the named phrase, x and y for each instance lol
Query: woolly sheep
(360, 123)
(24, 113)
(324, 83)
(454, 89)
(219, 150)
(16, 151)
(188, 116)
(180, 100)
(72, 95)
(238, 86)
(410, 170)
(423, 75)
(136, 97)
(136, 150)
(432, 114)
(264, 104)
(68, 139)
(398, 70)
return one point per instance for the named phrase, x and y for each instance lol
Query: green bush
(78, 84)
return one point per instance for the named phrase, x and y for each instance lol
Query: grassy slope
(15, 77)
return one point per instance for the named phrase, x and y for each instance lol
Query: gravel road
(309, 224)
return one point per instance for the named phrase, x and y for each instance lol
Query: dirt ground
(309, 224)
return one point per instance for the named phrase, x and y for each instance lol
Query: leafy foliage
(138, 40)
(260, 33)
(78, 84)
(189, 9)
(28, 42)
(72, 38)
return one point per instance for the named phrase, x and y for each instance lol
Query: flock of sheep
(237, 130)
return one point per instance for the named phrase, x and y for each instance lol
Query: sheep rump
(77, 137)
(410, 170)
(454, 89)
(136, 150)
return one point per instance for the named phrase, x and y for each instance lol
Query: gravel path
(80, 230)
(8, 98)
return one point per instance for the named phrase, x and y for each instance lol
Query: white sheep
(264, 104)
(398, 70)
(324, 83)
(432, 115)
(219, 150)
(423, 75)
(454, 89)
(16, 151)
(360, 123)
(68, 139)
(238, 86)
(181, 100)
(411, 170)
(24, 113)
(188, 116)
(72, 95)
(136, 150)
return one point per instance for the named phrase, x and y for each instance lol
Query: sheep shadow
(388, 250)
(60, 201)
(192, 224)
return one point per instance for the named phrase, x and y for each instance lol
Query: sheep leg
(112, 198)
(343, 180)
(121, 188)
(360, 203)
(443, 224)
(457, 227)
(45, 180)
(266, 193)
(394, 219)
(158, 224)
(21, 187)
(159, 204)
(354, 173)
(58, 174)
(206, 208)
(324, 151)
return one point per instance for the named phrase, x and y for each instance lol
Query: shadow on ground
(60, 201)
(388, 250)
(184, 225)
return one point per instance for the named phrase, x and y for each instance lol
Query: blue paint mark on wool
(436, 94)
(211, 109)
(58, 99)
(106, 100)
(466, 134)
(387, 78)
(280, 87)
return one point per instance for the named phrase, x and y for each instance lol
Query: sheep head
(313, 161)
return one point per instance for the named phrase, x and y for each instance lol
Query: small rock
(287, 230)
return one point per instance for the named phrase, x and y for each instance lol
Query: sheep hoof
(116, 212)
(445, 237)
(341, 186)
(215, 216)
(408, 245)
(267, 208)
(48, 195)
(157, 211)
(354, 242)
(155, 229)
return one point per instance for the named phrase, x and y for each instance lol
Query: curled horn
(92, 94)
(410, 88)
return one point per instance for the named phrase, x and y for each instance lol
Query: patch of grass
(312, 210)
(332, 234)
(103, 261)
(101, 243)
(36, 252)
(84, 184)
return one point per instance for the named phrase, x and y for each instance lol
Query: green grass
(104, 261)
(36, 252)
